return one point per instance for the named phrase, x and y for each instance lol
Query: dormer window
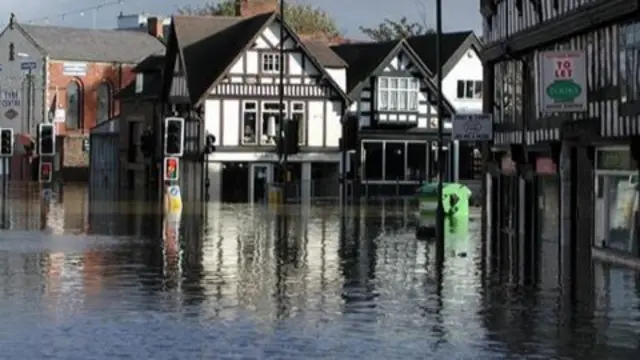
(398, 94)
(271, 63)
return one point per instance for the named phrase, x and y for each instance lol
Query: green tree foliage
(304, 19)
(393, 30)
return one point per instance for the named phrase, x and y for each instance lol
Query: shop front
(616, 201)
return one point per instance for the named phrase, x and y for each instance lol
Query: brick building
(68, 76)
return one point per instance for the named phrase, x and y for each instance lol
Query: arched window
(104, 103)
(74, 105)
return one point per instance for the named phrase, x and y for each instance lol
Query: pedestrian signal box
(46, 172)
(171, 169)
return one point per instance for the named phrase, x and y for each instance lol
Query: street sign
(48, 194)
(46, 171)
(171, 169)
(472, 127)
(28, 65)
(563, 81)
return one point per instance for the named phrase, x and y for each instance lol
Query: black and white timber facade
(394, 106)
(238, 98)
(562, 166)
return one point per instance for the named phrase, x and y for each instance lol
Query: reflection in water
(243, 281)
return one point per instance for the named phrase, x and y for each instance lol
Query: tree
(393, 30)
(304, 19)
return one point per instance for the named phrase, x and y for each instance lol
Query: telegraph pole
(441, 159)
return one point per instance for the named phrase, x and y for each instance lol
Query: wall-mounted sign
(10, 105)
(563, 81)
(74, 69)
(59, 116)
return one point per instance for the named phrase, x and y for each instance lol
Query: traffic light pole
(5, 192)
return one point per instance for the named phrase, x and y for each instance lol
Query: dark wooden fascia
(583, 19)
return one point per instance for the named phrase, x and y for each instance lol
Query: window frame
(263, 112)
(256, 111)
(273, 59)
(302, 125)
(468, 86)
(391, 95)
(78, 123)
(109, 103)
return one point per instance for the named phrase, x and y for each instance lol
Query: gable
(267, 39)
(401, 63)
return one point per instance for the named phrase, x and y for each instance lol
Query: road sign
(563, 80)
(46, 172)
(472, 127)
(28, 65)
(173, 201)
(48, 194)
(171, 169)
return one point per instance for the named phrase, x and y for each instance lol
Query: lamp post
(282, 153)
(441, 157)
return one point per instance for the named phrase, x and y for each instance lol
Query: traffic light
(6, 142)
(46, 170)
(210, 145)
(46, 140)
(173, 136)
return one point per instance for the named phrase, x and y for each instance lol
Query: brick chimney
(154, 27)
(255, 7)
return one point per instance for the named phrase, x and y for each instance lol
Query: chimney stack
(248, 8)
(154, 27)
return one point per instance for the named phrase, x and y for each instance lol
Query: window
(270, 63)
(373, 162)
(416, 161)
(249, 123)
(271, 121)
(394, 153)
(74, 105)
(398, 94)
(104, 103)
(469, 89)
(297, 114)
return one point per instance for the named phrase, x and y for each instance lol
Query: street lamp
(441, 156)
(282, 154)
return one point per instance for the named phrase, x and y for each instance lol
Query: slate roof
(324, 54)
(153, 62)
(209, 45)
(454, 45)
(99, 45)
(151, 88)
(363, 59)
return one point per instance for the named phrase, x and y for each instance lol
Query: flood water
(96, 285)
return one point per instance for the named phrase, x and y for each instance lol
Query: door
(261, 176)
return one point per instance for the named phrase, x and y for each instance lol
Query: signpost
(563, 81)
(28, 65)
(171, 169)
(472, 127)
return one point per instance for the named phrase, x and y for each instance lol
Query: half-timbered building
(557, 177)
(392, 84)
(228, 70)
(396, 119)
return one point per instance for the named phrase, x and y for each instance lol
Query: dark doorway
(235, 182)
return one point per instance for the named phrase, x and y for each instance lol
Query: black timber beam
(580, 20)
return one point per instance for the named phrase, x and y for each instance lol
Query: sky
(349, 14)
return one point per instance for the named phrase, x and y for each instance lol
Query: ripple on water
(231, 287)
